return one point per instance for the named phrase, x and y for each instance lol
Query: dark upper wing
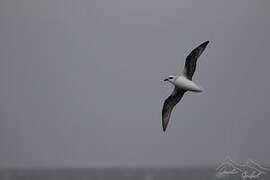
(168, 105)
(191, 60)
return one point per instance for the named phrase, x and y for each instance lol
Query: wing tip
(164, 125)
(164, 128)
(206, 43)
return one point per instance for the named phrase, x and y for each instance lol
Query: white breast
(184, 83)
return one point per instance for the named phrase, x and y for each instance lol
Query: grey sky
(81, 82)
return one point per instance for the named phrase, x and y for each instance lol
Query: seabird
(182, 84)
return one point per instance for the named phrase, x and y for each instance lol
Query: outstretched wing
(191, 60)
(169, 104)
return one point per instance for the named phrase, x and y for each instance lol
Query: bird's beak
(165, 79)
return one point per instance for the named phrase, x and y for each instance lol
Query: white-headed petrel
(182, 84)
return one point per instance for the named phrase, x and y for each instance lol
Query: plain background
(81, 82)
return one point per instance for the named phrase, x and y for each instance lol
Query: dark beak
(165, 79)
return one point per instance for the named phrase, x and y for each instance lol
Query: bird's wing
(191, 60)
(169, 104)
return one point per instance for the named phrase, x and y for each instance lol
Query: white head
(171, 79)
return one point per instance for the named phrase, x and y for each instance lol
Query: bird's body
(182, 83)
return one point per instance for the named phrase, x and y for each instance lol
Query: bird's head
(170, 79)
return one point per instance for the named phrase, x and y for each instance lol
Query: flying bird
(182, 84)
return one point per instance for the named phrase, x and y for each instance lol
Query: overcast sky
(81, 82)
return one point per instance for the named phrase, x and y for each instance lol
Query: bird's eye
(170, 77)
